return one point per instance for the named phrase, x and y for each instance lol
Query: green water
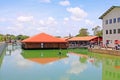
(15, 66)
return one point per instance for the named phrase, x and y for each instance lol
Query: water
(74, 67)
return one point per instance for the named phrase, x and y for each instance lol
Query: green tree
(97, 31)
(21, 37)
(83, 32)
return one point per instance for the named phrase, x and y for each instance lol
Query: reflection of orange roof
(117, 67)
(42, 37)
(44, 60)
(85, 38)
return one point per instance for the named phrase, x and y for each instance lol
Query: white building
(111, 26)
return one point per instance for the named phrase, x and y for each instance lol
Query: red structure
(84, 41)
(44, 41)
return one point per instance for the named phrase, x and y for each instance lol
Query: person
(90, 45)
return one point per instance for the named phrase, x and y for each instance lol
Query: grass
(52, 53)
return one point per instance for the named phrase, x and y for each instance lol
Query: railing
(78, 46)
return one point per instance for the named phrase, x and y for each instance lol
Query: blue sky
(55, 17)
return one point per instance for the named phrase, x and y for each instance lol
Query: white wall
(115, 13)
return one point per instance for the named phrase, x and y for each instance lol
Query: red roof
(85, 38)
(43, 37)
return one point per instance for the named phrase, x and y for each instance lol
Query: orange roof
(44, 60)
(85, 38)
(43, 37)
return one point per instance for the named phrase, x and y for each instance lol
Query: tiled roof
(43, 37)
(111, 8)
(85, 38)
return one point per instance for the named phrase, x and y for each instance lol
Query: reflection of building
(111, 69)
(43, 41)
(44, 60)
(111, 26)
(9, 50)
(83, 41)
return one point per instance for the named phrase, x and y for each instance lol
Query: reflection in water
(10, 49)
(77, 67)
(74, 67)
(44, 60)
(1, 58)
(110, 66)
(110, 69)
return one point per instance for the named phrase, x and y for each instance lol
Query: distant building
(84, 41)
(111, 26)
(44, 41)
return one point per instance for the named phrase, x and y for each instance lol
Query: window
(110, 21)
(106, 22)
(106, 31)
(118, 31)
(118, 19)
(114, 31)
(110, 31)
(114, 20)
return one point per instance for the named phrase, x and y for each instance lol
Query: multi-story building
(111, 26)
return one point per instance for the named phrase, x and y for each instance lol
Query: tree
(21, 37)
(97, 31)
(83, 32)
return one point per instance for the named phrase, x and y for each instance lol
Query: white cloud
(77, 13)
(89, 22)
(41, 22)
(64, 3)
(25, 18)
(2, 19)
(45, 1)
(49, 22)
(77, 67)
(66, 20)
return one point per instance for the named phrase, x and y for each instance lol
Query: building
(83, 41)
(111, 26)
(44, 41)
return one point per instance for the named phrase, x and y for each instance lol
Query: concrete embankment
(2, 47)
(106, 51)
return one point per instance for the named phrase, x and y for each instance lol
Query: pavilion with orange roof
(84, 41)
(44, 41)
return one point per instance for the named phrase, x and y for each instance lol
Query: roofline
(82, 40)
(111, 8)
